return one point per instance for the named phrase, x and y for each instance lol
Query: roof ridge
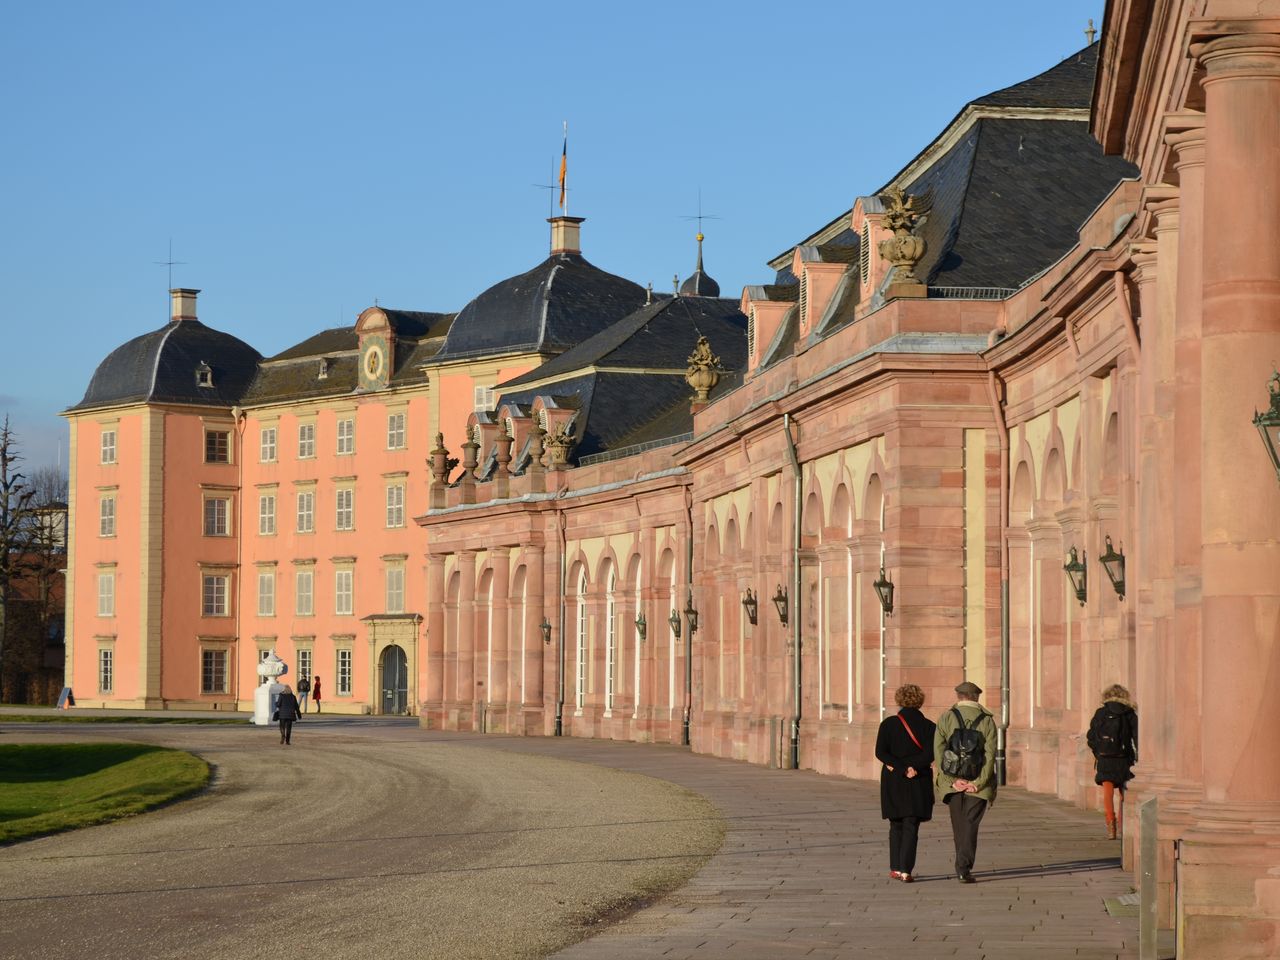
(155, 364)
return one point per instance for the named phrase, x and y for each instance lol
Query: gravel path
(348, 846)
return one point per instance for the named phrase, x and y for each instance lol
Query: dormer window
(323, 372)
(803, 304)
(751, 333)
(204, 375)
(510, 424)
(542, 419)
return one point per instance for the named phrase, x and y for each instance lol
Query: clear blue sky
(306, 158)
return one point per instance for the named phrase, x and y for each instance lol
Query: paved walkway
(803, 873)
(803, 868)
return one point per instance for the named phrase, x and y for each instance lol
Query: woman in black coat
(1113, 738)
(904, 746)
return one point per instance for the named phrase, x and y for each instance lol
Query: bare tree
(18, 530)
(50, 486)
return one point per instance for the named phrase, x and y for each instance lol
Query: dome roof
(699, 284)
(559, 303)
(164, 366)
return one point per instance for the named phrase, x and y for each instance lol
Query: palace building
(993, 422)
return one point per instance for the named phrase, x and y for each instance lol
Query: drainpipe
(562, 520)
(795, 592)
(1002, 731)
(688, 627)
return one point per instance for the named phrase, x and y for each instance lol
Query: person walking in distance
(1113, 738)
(304, 687)
(315, 691)
(286, 713)
(964, 745)
(904, 746)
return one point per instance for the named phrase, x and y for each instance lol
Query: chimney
(564, 234)
(184, 304)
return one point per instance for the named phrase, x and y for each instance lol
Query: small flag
(564, 161)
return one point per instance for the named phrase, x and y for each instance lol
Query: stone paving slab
(803, 873)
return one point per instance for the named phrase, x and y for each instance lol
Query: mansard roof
(628, 380)
(160, 367)
(296, 371)
(1013, 176)
(560, 302)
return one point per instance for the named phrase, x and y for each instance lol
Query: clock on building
(373, 367)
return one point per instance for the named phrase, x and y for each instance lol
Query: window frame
(346, 437)
(107, 515)
(304, 575)
(108, 452)
(218, 602)
(217, 445)
(344, 589)
(395, 506)
(345, 512)
(306, 441)
(267, 597)
(106, 670)
(268, 449)
(214, 671)
(397, 430)
(344, 671)
(394, 582)
(107, 597)
(308, 497)
(225, 517)
(266, 515)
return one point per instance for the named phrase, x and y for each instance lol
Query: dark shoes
(965, 878)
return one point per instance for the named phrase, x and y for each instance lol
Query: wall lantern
(691, 614)
(1079, 575)
(884, 590)
(1268, 423)
(780, 601)
(1113, 564)
(674, 620)
(642, 626)
(545, 627)
(752, 605)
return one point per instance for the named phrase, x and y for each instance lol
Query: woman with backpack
(1113, 738)
(904, 746)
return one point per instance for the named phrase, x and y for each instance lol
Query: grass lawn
(46, 788)
(71, 718)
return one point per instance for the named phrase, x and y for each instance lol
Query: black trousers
(966, 815)
(904, 834)
(286, 730)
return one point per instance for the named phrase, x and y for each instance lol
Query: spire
(699, 284)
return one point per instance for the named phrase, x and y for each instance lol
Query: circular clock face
(373, 361)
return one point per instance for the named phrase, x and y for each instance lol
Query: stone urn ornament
(557, 442)
(270, 669)
(704, 370)
(902, 212)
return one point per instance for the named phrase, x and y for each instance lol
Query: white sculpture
(270, 670)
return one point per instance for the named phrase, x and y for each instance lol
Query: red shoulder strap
(906, 726)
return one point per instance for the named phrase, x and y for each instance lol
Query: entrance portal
(395, 680)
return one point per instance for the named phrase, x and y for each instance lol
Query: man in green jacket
(967, 799)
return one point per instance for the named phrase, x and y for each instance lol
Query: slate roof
(295, 372)
(160, 367)
(1068, 84)
(559, 303)
(1008, 200)
(660, 336)
(619, 407)
(698, 283)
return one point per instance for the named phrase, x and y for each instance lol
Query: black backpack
(1106, 737)
(964, 755)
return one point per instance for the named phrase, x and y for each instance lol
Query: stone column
(466, 680)
(1230, 891)
(535, 609)
(1188, 148)
(500, 632)
(434, 685)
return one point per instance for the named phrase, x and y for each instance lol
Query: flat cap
(969, 689)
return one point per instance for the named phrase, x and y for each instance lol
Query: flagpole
(565, 187)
